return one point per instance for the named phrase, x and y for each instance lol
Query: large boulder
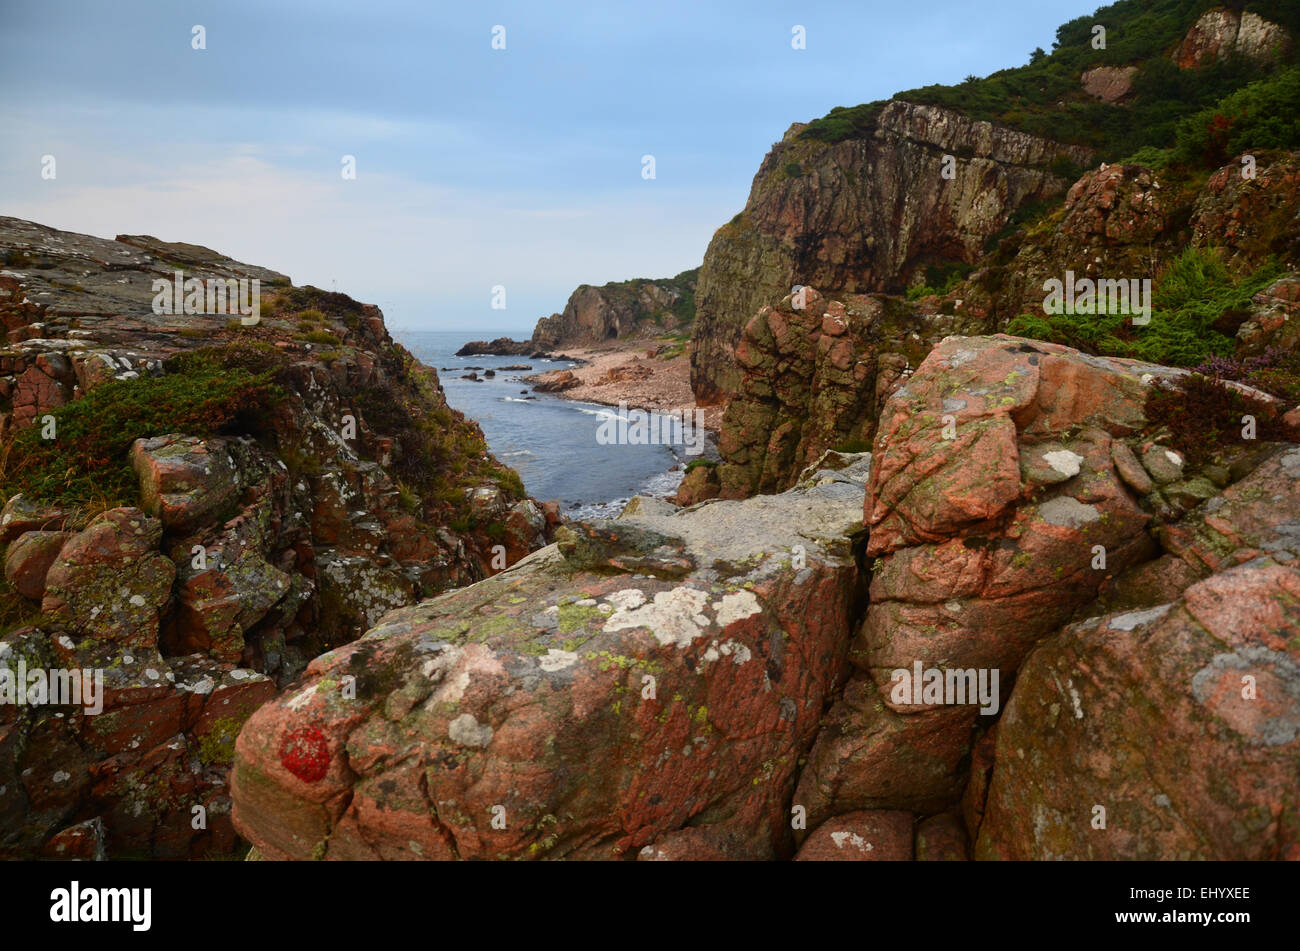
(995, 507)
(109, 581)
(1169, 733)
(814, 374)
(28, 561)
(643, 676)
(993, 493)
(184, 481)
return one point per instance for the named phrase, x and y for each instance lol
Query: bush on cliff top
(1045, 97)
(1193, 316)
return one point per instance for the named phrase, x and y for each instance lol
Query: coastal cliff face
(620, 310)
(814, 377)
(197, 507)
(868, 213)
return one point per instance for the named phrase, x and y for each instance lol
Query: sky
(475, 167)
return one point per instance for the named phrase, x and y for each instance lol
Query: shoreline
(629, 373)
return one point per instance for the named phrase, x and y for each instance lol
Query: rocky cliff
(619, 310)
(813, 370)
(918, 190)
(914, 187)
(196, 505)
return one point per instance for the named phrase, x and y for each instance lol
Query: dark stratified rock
(500, 347)
(620, 310)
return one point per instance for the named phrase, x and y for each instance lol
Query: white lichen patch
(674, 617)
(557, 660)
(738, 652)
(298, 702)
(1068, 512)
(1074, 699)
(1126, 622)
(736, 607)
(467, 731)
(843, 839)
(626, 599)
(1064, 461)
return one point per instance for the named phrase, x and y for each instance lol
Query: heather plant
(1275, 371)
(1204, 415)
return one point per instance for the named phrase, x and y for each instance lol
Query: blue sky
(475, 167)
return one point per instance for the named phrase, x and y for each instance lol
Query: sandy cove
(628, 373)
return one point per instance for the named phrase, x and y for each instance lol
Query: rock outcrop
(647, 686)
(814, 375)
(1120, 222)
(1109, 83)
(1215, 675)
(712, 684)
(928, 186)
(619, 310)
(307, 503)
(1221, 33)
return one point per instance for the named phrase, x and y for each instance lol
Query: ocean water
(550, 442)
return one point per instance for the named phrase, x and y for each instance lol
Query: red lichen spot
(306, 754)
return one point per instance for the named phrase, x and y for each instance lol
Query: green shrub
(1194, 294)
(509, 480)
(1152, 157)
(323, 337)
(701, 464)
(856, 122)
(87, 463)
(1045, 97)
(939, 280)
(1262, 115)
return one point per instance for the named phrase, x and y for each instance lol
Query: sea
(551, 442)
